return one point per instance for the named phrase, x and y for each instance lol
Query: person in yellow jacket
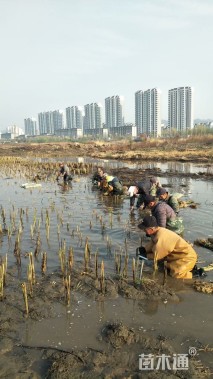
(112, 185)
(167, 245)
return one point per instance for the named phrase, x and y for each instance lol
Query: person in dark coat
(64, 172)
(171, 200)
(98, 176)
(141, 189)
(164, 214)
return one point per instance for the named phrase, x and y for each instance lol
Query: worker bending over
(166, 245)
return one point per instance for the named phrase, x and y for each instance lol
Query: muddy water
(79, 211)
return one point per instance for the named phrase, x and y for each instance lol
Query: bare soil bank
(161, 150)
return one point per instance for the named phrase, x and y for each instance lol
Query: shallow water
(80, 211)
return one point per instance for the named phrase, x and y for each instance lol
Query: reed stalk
(2, 273)
(102, 278)
(24, 291)
(118, 263)
(38, 246)
(70, 258)
(62, 257)
(133, 270)
(67, 286)
(96, 264)
(32, 267)
(44, 263)
(17, 250)
(86, 255)
(125, 269)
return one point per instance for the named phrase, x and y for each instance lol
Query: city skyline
(60, 53)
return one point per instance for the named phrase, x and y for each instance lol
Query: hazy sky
(59, 53)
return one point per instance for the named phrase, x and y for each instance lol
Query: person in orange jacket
(166, 245)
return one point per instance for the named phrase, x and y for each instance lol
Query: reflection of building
(148, 112)
(114, 111)
(180, 108)
(30, 125)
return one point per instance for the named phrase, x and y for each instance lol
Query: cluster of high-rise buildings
(77, 121)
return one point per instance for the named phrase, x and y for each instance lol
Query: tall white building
(181, 108)
(93, 116)
(57, 120)
(74, 117)
(148, 112)
(51, 121)
(114, 111)
(30, 126)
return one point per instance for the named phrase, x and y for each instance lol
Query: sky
(60, 53)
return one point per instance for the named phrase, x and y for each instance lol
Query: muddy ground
(192, 150)
(121, 344)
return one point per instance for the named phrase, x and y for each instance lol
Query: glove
(141, 251)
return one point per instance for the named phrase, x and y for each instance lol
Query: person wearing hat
(141, 189)
(112, 185)
(64, 172)
(166, 245)
(164, 214)
(171, 200)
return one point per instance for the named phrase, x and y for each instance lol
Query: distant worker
(171, 200)
(64, 172)
(141, 189)
(164, 214)
(98, 176)
(179, 255)
(112, 185)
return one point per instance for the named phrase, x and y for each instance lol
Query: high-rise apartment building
(93, 116)
(114, 111)
(180, 108)
(57, 119)
(74, 117)
(148, 112)
(30, 126)
(44, 123)
(51, 121)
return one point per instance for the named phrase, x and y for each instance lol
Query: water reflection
(65, 187)
(185, 167)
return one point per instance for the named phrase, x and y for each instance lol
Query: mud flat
(116, 346)
(112, 318)
(183, 150)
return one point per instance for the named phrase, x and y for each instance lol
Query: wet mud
(121, 344)
(118, 345)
